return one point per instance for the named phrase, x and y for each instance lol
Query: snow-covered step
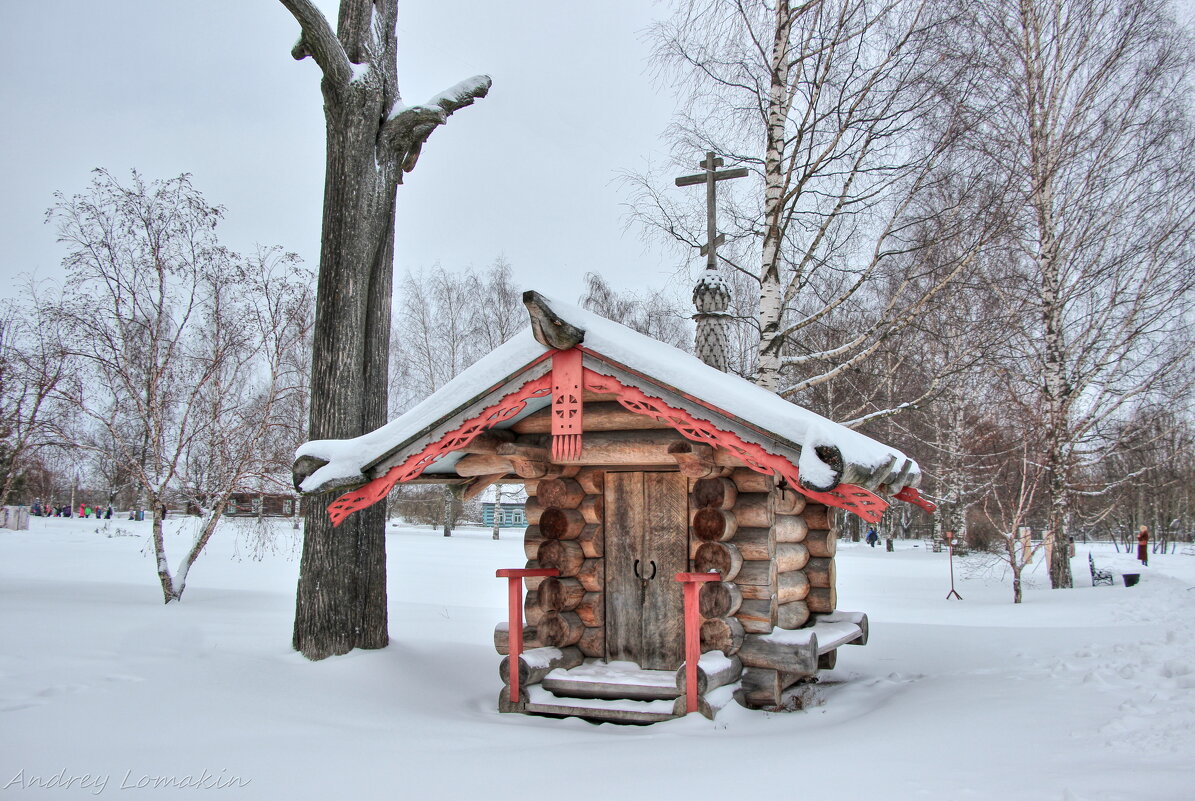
(618, 710)
(612, 680)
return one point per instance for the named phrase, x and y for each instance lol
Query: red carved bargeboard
(506, 408)
(862, 502)
(911, 495)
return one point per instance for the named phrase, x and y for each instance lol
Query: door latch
(642, 577)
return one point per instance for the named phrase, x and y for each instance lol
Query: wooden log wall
(777, 551)
(712, 525)
(774, 550)
(567, 534)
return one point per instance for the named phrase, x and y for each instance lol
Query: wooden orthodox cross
(709, 177)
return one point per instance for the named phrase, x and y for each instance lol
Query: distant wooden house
(255, 504)
(509, 514)
(682, 537)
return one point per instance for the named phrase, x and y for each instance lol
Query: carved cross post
(711, 294)
(709, 178)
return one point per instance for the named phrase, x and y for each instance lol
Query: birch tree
(1085, 106)
(246, 427)
(846, 119)
(172, 344)
(373, 138)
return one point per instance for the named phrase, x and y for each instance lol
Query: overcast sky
(209, 87)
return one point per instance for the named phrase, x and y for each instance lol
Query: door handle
(653, 570)
(636, 569)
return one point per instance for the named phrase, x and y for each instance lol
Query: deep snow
(1081, 694)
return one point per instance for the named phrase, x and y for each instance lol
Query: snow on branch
(408, 127)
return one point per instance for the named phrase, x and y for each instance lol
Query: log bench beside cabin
(644, 468)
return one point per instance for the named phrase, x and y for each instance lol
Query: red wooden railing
(514, 577)
(692, 583)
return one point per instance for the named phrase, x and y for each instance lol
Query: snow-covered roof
(862, 456)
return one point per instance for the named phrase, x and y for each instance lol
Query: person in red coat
(1143, 545)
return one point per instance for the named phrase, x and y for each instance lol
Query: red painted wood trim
(507, 407)
(692, 583)
(567, 408)
(514, 619)
(526, 572)
(698, 577)
(862, 502)
(911, 495)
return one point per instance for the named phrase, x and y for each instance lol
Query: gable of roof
(513, 381)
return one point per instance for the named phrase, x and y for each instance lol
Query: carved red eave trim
(911, 495)
(506, 408)
(862, 502)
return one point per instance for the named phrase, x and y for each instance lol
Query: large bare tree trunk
(372, 139)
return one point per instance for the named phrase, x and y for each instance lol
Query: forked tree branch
(409, 126)
(319, 41)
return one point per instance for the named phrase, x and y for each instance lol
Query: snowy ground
(1086, 694)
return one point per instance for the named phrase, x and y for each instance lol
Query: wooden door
(647, 543)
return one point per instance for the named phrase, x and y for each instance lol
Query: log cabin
(681, 537)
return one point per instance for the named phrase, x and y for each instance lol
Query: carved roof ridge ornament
(549, 329)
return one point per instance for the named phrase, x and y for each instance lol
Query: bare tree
(373, 138)
(498, 311)
(31, 369)
(1009, 511)
(650, 313)
(1085, 107)
(847, 120)
(173, 345)
(1149, 475)
(445, 321)
(245, 426)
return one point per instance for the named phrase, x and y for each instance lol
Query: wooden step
(622, 710)
(612, 680)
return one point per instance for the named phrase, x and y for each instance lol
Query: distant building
(254, 504)
(510, 514)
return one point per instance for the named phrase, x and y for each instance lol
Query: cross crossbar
(709, 178)
(720, 175)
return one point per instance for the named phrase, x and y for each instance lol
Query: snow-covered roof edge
(758, 407)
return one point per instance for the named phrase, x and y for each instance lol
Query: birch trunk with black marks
(771, 293)
(372, 139)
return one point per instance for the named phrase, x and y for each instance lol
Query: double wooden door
(646, 545)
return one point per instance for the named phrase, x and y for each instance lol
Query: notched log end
(303, 468)
(549, 329)
(694, 459)
(832, 458)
